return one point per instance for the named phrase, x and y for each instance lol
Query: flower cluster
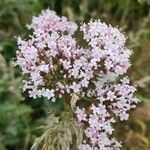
(108, 99)
(56, 66)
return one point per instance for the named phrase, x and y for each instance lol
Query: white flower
(75, 87)
(81, 115)
(56, 66)
(111, 95)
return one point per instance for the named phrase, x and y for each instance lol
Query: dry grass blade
(60, 135)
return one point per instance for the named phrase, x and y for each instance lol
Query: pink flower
(81, 115)
(111, 95)
(55, 66)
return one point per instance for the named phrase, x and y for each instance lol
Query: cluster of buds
(57, 67)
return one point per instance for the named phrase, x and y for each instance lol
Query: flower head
(56, 66)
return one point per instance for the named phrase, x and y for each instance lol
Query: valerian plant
(90, 80)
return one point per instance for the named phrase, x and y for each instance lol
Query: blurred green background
(21, 117)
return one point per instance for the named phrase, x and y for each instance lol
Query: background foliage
(21, 118)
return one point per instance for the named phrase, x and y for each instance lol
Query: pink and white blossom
(55, 65)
